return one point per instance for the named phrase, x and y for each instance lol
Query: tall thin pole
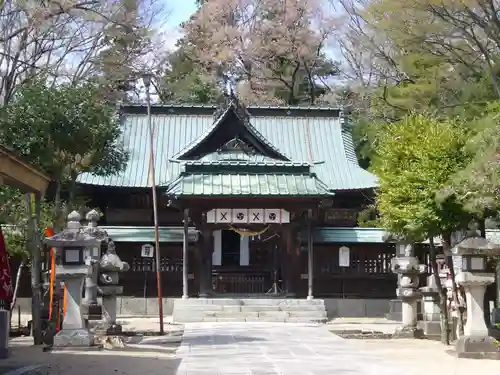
(155, 206)
(310, 256)
(185, 255)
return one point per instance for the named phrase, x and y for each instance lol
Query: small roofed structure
(476, 245)
(17, 173)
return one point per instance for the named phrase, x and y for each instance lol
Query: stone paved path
(275, 348)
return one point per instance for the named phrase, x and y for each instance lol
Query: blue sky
(180, 11)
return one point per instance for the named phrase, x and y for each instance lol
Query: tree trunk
(72, 192)
(454, 287)
(456, 300)
(445, 325)
(57, 206)
(482, 227)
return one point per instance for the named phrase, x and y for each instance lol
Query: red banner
(5, 276)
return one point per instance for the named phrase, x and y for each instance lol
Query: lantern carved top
(92, 229)
(476, 246)
(72, 235)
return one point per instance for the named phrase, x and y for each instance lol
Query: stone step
(249, 309)
(281, 301)
(249, 302)
(319, 314)
(237, 309)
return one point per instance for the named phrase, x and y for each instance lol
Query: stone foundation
(148, 307)
(73, 338)
(478, 347)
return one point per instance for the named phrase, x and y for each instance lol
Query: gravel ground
(150, 360)
(431, 357)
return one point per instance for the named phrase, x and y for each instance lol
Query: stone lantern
(110, 267)
(90, 303)
(73, 254)
(476, 342)
(407, 267)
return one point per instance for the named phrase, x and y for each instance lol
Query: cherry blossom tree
(271, 50)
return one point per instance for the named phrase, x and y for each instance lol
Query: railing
(252, 282)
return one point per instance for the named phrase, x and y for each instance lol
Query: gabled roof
(231, 121)
(313, 135)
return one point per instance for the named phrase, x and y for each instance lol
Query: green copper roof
(147, 234)
(313, 135)
(249, 185)
(215, 157)
(240, 115)
(237, 166)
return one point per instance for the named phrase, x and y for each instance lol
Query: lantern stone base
(431, 329)
(408, 332)
(74, 338)
(478, 347)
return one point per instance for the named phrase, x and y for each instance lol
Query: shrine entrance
(246, 257)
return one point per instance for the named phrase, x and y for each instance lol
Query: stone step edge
(255, 320)
(243, 308)
(250, 302)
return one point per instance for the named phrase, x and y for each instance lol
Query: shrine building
(270, 196)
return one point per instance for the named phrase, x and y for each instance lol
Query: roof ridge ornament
(230, 101)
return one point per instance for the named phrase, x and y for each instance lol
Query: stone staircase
(249, 310)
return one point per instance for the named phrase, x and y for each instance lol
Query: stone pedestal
(111, 265)
(476, 342)
(473, 252)
(91, 307)
(431, 312)
(109, 294)
(4, 333)
(74, 331)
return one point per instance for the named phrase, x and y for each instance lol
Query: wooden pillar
(310, 256)
(290, 262)
(206, 248)
(185, 255)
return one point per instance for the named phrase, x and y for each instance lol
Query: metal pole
(310, 257)
(155, 207)
(185, 255)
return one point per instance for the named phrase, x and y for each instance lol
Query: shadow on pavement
(92, 362)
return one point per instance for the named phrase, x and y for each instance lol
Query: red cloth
(6, 290)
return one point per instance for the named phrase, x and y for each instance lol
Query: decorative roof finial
(74, 220)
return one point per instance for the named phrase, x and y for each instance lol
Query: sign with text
(147, 251)
(248, 216)
(344, 257)
(341, 215)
